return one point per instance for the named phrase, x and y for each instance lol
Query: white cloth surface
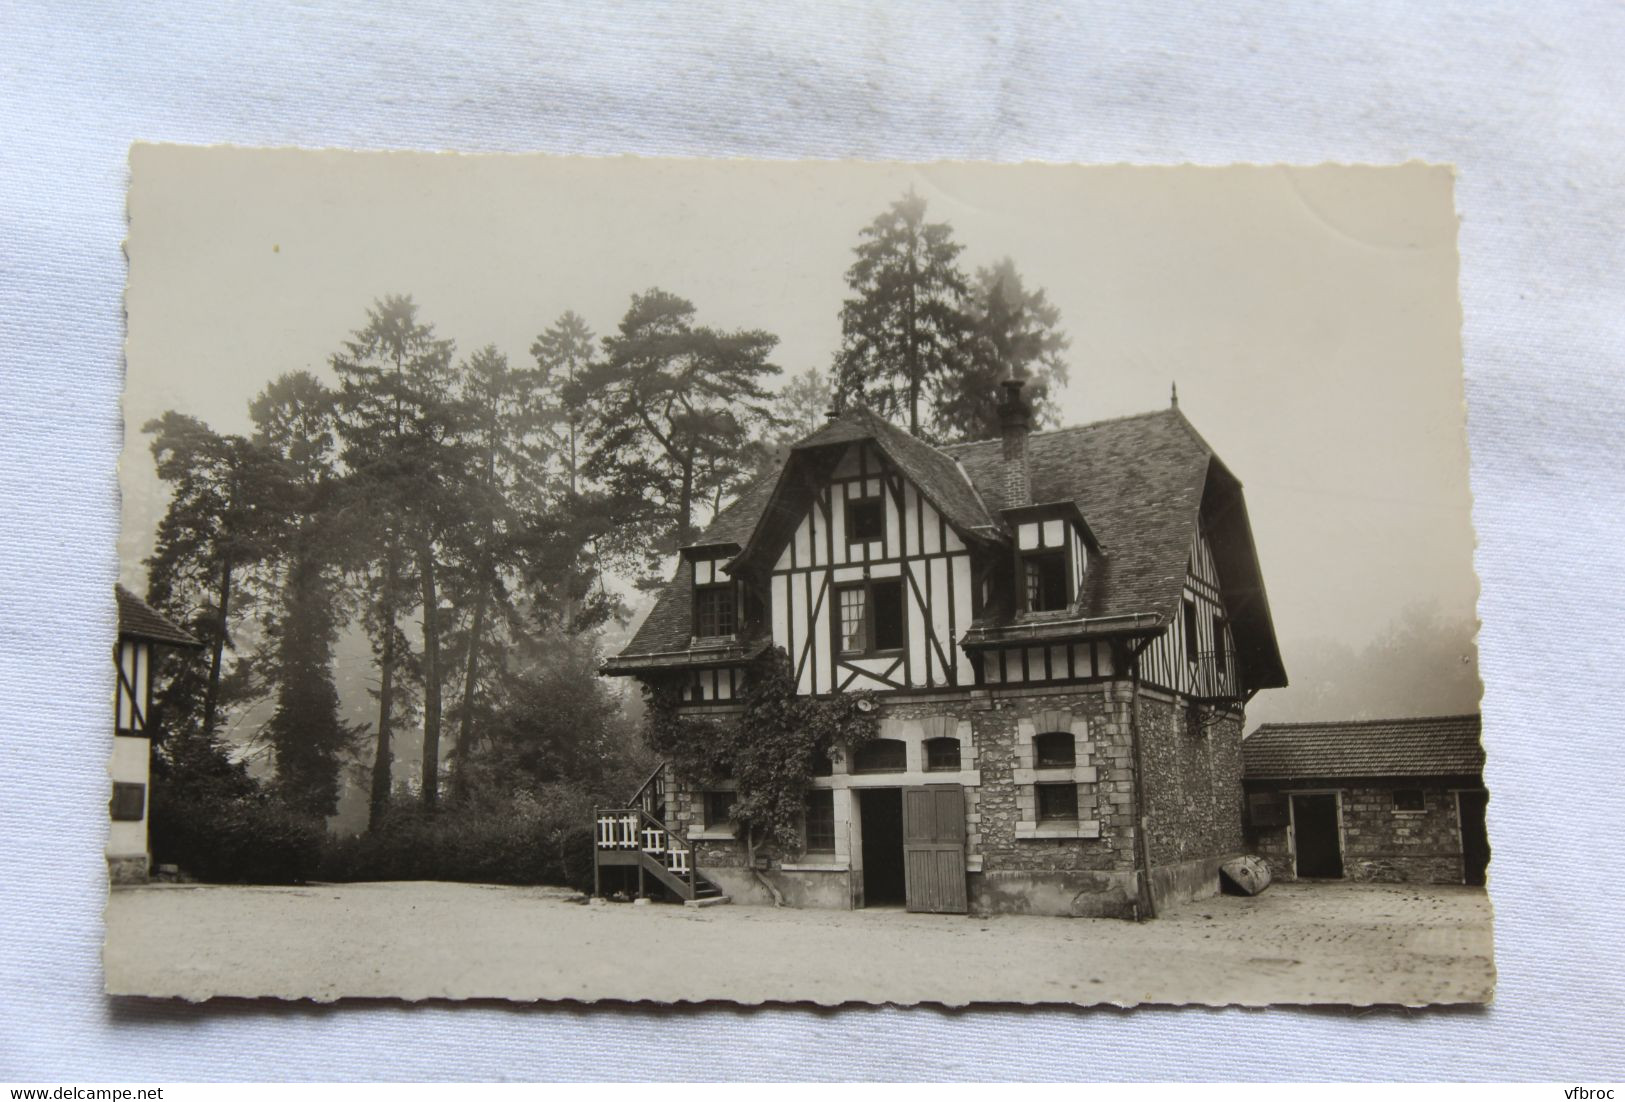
(1525, 98)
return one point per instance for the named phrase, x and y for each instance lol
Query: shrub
(527, 838)
(247, 839)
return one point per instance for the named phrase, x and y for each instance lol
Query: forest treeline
(479, 517)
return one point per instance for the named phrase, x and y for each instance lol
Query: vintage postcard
(679, 580)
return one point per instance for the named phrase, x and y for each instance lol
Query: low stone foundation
(1186, 881)
(830, 890)
(1073, 894)
(129, 869)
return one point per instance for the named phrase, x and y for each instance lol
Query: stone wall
(1015, 862)
(1194, 803)
(1380, 842)
(1010, 839)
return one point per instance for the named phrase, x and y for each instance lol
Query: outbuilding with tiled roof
(1376, 799)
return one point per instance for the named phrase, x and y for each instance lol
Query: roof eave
(694, 658)
(1073, 629)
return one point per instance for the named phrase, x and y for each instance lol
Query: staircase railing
(632, 829)
(652, 793)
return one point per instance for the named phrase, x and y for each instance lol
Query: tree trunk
(750, 863)
(382, 758)
(465, 730)
(431, 679)
(685, 505)
(211, 699)
(913, 344)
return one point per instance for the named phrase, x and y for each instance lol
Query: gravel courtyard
(1339, 943)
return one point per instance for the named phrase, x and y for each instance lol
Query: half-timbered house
(141, 630)
(1062, 629)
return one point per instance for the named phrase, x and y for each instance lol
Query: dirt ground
(1296, 943)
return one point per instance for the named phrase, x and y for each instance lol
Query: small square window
(129, 802)
(718, 808)
(1409, 799)
(1055, 750)
(713, 611)
(821, 821)
(1045, 580)
(942, 755)
(865, 520)
(1057, 802)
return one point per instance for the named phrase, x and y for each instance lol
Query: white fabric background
(1526, 98)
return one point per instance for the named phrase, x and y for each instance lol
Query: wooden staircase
(637, 836)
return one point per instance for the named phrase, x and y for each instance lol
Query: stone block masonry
(1018, 860)
(1382, 840)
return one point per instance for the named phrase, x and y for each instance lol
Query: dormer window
(865, 520)
(1052, 555)
(716, 596)
(1045, 579)
(714, 610)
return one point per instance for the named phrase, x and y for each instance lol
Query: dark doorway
(882, 811)
(1475, 838)
(1314, 836)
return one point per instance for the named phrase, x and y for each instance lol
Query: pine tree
(903, 329)
(223, 504)
(674, 407)
(294, 419)
(399, 425)
(1011, 333)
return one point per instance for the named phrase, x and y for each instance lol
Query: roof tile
(1434, 746)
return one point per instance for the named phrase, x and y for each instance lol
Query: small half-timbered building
(1062, 629)
(1384, 799)
(141, 630)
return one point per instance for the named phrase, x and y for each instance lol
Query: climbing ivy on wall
(769, 750)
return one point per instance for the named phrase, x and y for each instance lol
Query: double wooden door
(934, 848)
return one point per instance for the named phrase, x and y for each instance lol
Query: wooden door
(934, 848)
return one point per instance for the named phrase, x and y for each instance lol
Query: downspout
(1145, 905)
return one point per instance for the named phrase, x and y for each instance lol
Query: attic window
(865, 520)
(1044, 576)
(713, 610)
(1192, 644)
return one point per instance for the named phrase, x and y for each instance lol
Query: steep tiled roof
(139, 620)
(668, 624)
(1138, 482)
(931, 469)
(1432, 746)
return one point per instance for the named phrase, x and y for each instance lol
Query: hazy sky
(1309, 316)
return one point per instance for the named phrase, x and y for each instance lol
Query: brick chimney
(1015, 422)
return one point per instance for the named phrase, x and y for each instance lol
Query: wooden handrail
(637, 797)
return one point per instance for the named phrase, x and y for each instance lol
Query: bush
(227, 839)
(541, 838)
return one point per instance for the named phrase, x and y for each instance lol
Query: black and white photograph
(670, 580)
